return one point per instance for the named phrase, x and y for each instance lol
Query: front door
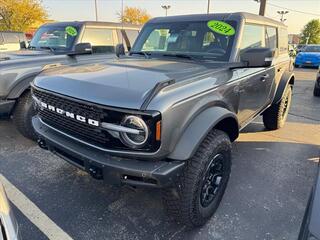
(254, 89)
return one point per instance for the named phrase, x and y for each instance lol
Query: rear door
(255, 83)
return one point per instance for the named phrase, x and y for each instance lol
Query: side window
(101, 39)
(283, 40)
(127, 37)
(132, 36)
(10, 38)
(1, 39)
(271, 37)
(252, 37)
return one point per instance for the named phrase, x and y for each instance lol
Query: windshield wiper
(146, 54)
(181, 55)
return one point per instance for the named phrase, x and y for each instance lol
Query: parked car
(292, 51)
(165, 116)
(12, 41)
(9, 229)
(300, 47)
(310, 225)
(316, 90)
(309, 56)
(55, 44)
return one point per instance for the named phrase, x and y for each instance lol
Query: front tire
(200, 188)
(316, 90)
(276, 115)
(22, 116)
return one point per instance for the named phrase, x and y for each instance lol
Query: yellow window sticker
(72, 31)
(221, 27)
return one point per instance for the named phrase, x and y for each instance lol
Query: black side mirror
(81, 48)
(257, 57)
(120, 51)
(23, 45)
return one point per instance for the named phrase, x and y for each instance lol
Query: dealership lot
(271, 179)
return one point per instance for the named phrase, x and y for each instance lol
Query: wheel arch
(287, 78)
(21, 87)
(213, 118)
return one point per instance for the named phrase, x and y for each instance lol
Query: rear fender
(286, 78)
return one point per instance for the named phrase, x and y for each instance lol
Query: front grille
(83, 131)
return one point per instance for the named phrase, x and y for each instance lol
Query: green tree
(19, 15)
(311, 31)
(134, 15)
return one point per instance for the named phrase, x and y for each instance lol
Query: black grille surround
(83, 131)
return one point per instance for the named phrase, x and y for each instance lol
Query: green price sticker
(72, 31)
(221, 27)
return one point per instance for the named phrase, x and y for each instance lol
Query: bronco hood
(22, 54)
(123, 83)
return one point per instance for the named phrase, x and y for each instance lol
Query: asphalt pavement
(271, 179)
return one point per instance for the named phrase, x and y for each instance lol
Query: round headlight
(137, 139)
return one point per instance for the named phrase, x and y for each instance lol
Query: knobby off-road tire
(276, 115)
(316, 90)
(22, 116)
(188, 202)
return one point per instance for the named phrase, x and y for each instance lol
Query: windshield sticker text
(72, 31)
(221, 27)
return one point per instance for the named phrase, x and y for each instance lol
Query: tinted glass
(271, 37)
(1, 39)
(283, 40)
(253, 37)
(188, 38)
(311, 49)
(10, 37)
(54, 37)
(101, 39)
(132, 36)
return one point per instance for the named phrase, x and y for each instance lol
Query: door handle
(264, 77)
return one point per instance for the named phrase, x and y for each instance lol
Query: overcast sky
(64, 10)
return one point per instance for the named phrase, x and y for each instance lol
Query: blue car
(308, 57)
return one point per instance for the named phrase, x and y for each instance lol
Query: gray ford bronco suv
(165, 115)
(54, 44)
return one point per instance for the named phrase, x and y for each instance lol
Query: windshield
(312, 49)
(55, 38)
(203, 39)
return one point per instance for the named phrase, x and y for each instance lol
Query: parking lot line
(33, 213)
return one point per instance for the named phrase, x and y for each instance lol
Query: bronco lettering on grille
(60, 111)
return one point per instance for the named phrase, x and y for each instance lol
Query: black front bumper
(114, 170)
(6, 107)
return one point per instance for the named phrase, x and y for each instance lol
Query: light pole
(96, 9)
(262, 9)
(166, 8)
(208, 8)
(282, 13)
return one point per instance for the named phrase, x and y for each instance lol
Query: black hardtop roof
(92, 23)
(223, 16)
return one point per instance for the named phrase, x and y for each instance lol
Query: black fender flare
(198, 129)
(286, 78)
(21, 86)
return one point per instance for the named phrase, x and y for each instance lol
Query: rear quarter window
(271, 37)
(283, 40)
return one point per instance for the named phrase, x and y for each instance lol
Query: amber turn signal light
(158, 131)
